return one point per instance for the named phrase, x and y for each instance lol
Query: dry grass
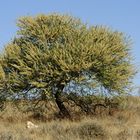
(124, 124)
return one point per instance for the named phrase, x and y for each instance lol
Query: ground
(124, 124)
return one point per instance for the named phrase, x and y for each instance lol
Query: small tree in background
(51, 51)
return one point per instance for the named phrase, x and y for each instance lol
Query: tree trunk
(63, 110)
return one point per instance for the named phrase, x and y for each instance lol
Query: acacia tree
(50, 51)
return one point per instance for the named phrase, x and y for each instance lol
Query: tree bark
(63, 110)
(58, 98)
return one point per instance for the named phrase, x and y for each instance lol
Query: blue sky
(122, 15)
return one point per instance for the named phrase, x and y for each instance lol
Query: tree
(51, 51)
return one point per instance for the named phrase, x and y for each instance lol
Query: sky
(121, 15)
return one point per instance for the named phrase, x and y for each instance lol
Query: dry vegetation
(122, 124)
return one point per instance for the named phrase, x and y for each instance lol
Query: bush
(90, 131)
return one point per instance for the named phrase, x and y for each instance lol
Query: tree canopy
(49, 51)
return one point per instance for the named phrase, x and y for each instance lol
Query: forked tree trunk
(63, 110)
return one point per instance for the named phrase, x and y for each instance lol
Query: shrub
(91, 131)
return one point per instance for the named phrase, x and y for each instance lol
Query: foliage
(51, 51)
